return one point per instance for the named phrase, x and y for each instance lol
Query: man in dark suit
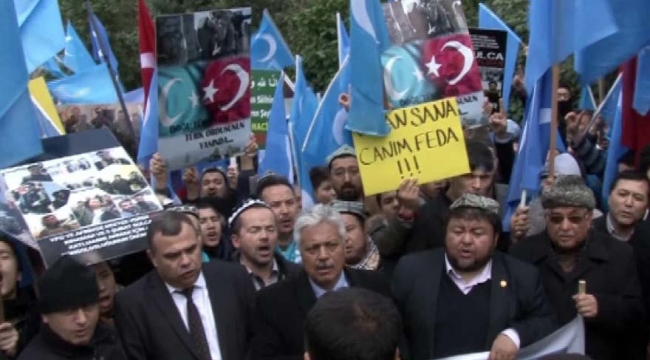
(466, 297)
(282, 308)
(569, 251)
(183, 309)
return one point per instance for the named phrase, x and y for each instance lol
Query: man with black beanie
(68, 303)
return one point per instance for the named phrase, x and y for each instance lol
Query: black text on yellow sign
(426, 142)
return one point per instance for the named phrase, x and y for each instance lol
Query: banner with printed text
(95, 205)
(204, 85)
(426, 143)
(490, 53)
(263, 89)
(431, 58)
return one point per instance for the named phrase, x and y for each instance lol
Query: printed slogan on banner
(426, 143)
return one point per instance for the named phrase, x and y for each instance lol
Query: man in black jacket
(567, 252)
(184, 309)
(254, 229)
(71, 329)
(467, 298)
(282, 308)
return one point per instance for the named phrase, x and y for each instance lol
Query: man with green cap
(69, 307)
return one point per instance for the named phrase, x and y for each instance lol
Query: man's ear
(306, 356)
(235, 242)
(151, 258)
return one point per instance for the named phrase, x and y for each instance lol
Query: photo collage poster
(431, 57)
(204, 85)
(95, 204)
(490, 53)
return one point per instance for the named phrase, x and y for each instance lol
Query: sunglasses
(573, 219)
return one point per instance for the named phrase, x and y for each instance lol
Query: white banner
(570, 339)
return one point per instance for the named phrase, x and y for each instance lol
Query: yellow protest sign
(426, 143)
(45, 104)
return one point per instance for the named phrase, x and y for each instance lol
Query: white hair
(319, 214)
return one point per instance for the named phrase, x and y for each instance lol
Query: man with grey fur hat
(569, 252)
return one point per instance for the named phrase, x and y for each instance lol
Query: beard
(349, 192)
(476, 265)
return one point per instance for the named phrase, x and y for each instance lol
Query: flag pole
(113, 74)
(554, 121)
(601, 90)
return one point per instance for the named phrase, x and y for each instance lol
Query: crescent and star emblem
(272, 47)
(468, 61)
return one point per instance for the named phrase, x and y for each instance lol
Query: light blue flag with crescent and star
(93, 86)
(368, 40)
(41, 30)
(179, 99)
(269, 51)
(616, 149)
(533, 147)
(327, 132)
(278, 149)
(487, 19)
(641, 100)
(403, 76)
(559, 28)
(343, 39)
(302, 114)
(100, 42)
(20, 137)
(631, 35)
(76, 57)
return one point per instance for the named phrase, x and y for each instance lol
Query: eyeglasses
(573, 219)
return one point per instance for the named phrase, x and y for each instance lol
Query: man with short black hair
(276, 191)
(353, 324)
(184, 309)
(255, 235)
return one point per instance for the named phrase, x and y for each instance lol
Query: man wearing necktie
(185, 309)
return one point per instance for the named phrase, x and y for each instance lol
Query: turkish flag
(226, 89)
(147, 37)
(636, 127)
(449, 62)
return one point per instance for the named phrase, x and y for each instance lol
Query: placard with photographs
(82, 117)
(490, 53)
(97, 202)
(431, 57)
(204, 85)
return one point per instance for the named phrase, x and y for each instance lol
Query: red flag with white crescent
(450, 64)
(147, 37)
